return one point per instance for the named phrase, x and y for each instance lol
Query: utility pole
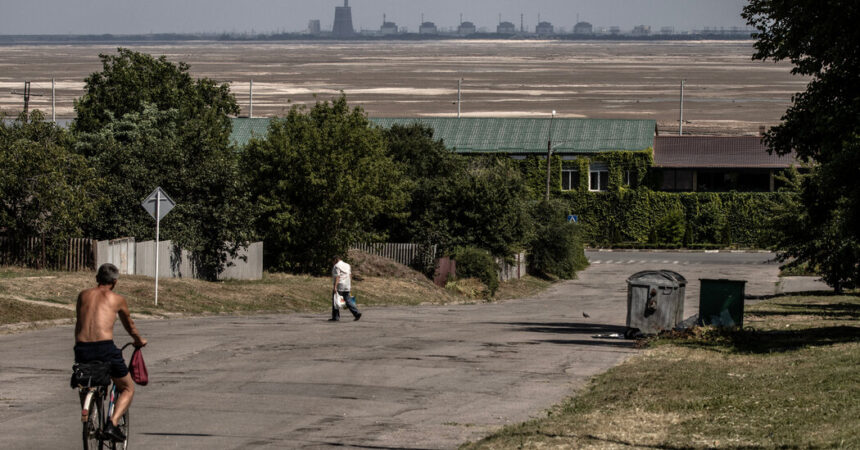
(549, 154)
(681, 119)
(26, 95)
(53, 100)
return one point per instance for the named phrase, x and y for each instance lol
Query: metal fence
(513, 271)
(138, 258)
(405, 254)
(41, 253)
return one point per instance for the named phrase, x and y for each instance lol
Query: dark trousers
(335, 312)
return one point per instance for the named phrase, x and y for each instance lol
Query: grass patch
(526, 286)
(274, 293)
(787, 380)
(15, 312)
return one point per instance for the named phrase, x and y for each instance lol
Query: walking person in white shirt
(341, 275)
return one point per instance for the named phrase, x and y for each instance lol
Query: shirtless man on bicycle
(97, 309)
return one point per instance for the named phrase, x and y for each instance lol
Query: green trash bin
(721, 302)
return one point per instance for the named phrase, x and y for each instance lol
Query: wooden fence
(403, 253)
(39, 253)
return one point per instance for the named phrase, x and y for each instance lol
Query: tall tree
(431, 168)
(320, 178)
(145, 122)
(45, 189)
(821, 39)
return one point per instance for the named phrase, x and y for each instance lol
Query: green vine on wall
(637, 214)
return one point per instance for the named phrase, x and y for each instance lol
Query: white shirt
(342, 273)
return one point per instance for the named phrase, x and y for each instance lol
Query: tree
(821, 39)
(45, 190)
(130, 80)
(144, 122)
(431, 168)
(320, 179)
(487, 206)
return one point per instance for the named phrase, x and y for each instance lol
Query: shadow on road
(801, 294)
(598, 334)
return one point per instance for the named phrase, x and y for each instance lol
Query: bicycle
(94, 416)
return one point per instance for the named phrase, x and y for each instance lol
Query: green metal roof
(244, 129)
(480, 135)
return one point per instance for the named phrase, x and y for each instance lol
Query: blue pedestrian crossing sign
(573, 218)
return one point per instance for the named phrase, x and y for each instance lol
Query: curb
(669, 250)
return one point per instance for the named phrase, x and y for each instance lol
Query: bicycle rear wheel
(123, 425)
(92, 427)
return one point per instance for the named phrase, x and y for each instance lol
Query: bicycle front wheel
(92, 427)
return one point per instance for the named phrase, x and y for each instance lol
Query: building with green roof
(511, 136)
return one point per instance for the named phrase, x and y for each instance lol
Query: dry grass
(524, 287)
(377, 282)
(17, 312)
(772, 386)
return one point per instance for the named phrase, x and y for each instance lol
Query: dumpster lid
(678, 277)
(658, 278)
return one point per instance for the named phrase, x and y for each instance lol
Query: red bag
(137, 368)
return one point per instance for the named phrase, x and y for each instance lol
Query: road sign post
(157, 204)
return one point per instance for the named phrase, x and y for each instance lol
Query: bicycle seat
(90, 374)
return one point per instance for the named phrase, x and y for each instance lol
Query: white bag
(338, 301)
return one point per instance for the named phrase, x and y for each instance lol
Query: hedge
(636, 214)
(723, 218)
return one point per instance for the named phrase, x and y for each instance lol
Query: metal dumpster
(655, 300)
(721, 302)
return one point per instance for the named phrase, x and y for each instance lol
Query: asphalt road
(402, 377)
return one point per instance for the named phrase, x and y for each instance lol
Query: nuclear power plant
(343, 21)
(344, 28)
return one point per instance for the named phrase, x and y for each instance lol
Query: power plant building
(506, 28)
(583, 28)
(343, 21)
(428, 28)
(387, 28)
(314, 27)
(544, 28)
(467, 28)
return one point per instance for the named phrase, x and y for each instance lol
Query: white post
(459, 84)
(157, 225)
(681, 120)
(251, 96)
(53, 101)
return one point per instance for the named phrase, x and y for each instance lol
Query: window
(677, 180)
(598, 177)
(569, 179)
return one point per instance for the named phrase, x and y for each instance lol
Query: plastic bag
(338, 301)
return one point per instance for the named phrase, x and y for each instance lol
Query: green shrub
(556, 248)
(670, 228)
(473, 262)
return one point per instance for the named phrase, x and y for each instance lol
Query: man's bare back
(97, 309)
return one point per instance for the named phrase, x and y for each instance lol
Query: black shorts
(104, 351)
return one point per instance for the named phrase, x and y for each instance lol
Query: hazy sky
(265, 16)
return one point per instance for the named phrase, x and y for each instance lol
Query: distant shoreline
(137, 39)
